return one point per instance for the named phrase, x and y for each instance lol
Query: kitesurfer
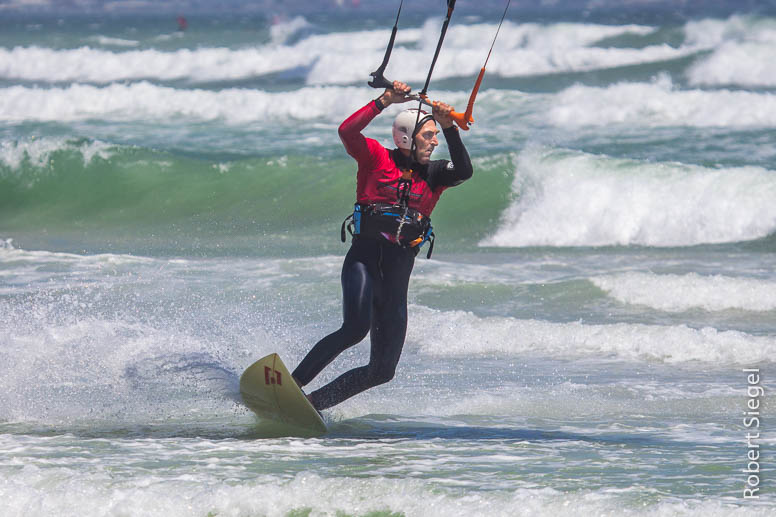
(396, 191)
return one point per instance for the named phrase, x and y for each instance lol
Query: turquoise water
(170, 205)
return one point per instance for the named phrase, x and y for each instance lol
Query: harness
(399, 224)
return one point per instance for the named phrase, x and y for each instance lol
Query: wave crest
(566, 198)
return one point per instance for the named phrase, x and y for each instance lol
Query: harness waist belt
(400, 225)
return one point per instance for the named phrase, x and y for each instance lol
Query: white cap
(404, 127)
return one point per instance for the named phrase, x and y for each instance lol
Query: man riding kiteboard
(396, 191)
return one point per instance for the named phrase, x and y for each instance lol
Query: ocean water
(170, 204)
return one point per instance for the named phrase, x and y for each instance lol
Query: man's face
(425, 142)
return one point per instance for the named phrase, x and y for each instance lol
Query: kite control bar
(379, 80)
(464, 119)
(461, 119)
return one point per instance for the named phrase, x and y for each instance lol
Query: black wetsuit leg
(375, 278)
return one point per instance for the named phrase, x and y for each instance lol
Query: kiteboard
(268, 389)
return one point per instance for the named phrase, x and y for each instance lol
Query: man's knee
(355, 332)
(382, 374)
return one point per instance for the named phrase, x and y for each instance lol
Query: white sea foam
(59, 260)
(660, 103)
(462, 333)
(38, 151)
(655, 104)
(533, 35)
(282, 30)
(746, 64)
(740, 55)
(677, 293)
(62, 367)
(524, 49)
(86, 64)
(145, 101)
(91, 490)
(107, 41)
(528, 62)
(743, 50)
(711, 32)
(566, 198)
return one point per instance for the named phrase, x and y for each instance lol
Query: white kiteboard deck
(268, 389)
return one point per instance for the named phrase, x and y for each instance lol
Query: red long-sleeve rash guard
(379, 174)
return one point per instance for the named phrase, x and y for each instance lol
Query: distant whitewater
(565, 198)
(738, 46)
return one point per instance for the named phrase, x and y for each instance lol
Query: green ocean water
(125, 199)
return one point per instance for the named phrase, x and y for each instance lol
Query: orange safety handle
(464, 119)
(461, 119)
(473, 96)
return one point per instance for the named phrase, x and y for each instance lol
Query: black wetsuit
(376, 274)
(375, 277)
